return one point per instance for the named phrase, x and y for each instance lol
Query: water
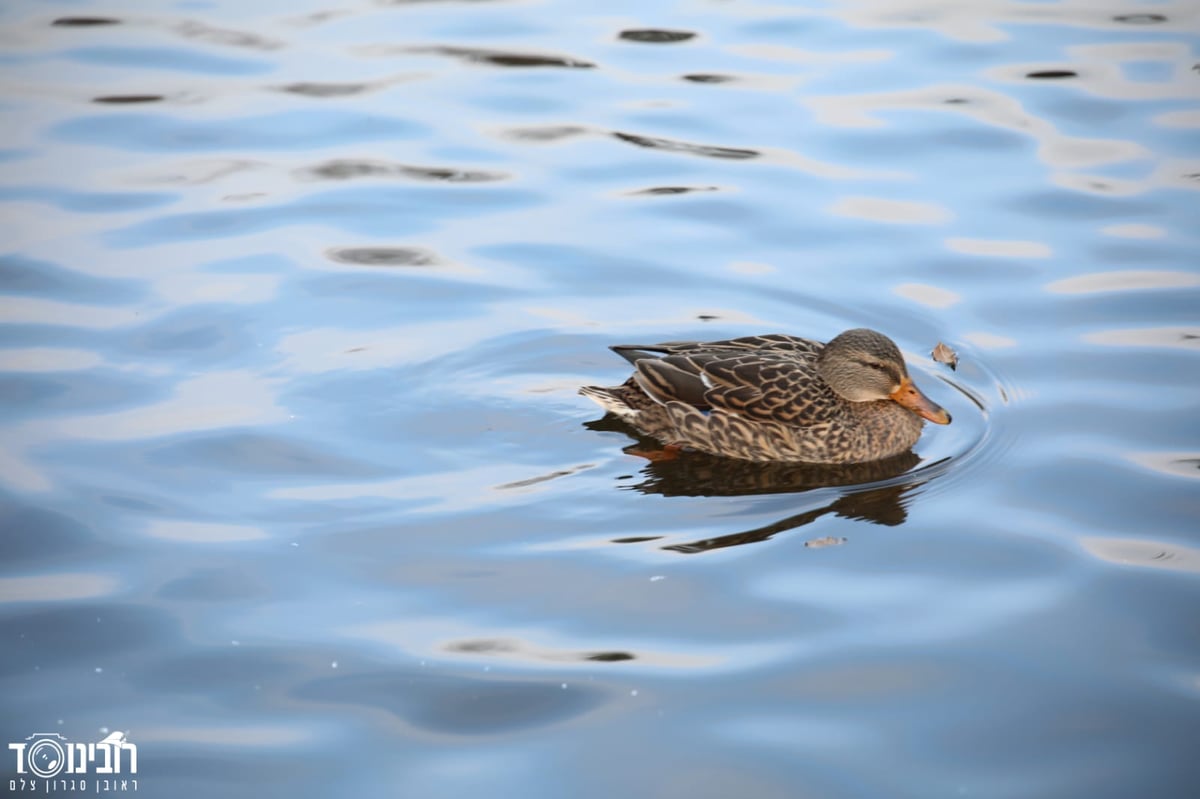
(297, 491)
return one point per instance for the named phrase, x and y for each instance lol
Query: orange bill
(911, 397)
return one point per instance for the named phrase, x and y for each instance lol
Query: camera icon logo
(46, 754)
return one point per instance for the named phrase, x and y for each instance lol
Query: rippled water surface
(297, 490)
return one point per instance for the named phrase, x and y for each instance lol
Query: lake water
(297, 491)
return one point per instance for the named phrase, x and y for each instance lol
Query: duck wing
(771, 343)
(762, 378)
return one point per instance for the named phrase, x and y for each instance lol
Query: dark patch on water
(84, 22)
(708, 78)
(312, 89)
(610, 657)
(1052, 74)
(383, 256)
(501, 58)
(1140, 19)
(674, 146)
(458, 704)
(655, 35)
(348, 169)
(546, 132)
(663, 190)
(127, 99)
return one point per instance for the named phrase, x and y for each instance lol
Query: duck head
(863, 365)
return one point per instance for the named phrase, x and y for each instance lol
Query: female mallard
(774, 397)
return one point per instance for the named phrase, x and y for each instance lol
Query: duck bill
(911, 397)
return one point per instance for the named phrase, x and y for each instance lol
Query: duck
(774, 397)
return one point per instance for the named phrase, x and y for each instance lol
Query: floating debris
(943, 354)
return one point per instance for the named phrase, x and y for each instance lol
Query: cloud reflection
(1125, 280)
(208, 401)
(879, 209)
(1176, 464)
(56, 587)
(1176, 337)
(929, 296)
(47, 359)
(253, 736)
(1138, 552)
(203, 532)
(998, 248)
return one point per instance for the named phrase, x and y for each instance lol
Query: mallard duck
(774, 397)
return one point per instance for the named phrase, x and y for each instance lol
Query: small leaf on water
(943, 354)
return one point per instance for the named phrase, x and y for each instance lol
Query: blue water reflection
(297, 491)
(287, 130)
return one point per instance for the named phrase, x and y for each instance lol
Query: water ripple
(128, 99)
(655, 35)
(168, 58)
(378, 211)
(346, 169)
(296, 298)
(383, 256)
(226, 37)
(497, 58)
(57, 587)
(84, 22)
(669, 145)
(285, 130)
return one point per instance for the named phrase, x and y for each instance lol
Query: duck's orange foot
(667, 453)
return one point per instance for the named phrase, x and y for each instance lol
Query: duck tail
(610, 399)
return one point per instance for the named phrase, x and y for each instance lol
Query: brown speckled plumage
(770, 398)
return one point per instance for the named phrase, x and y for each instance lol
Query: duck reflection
(878, 506)
(697, 474)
